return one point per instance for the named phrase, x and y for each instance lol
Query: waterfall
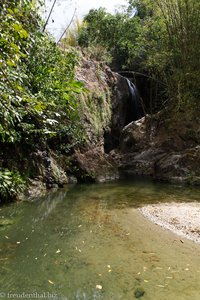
(135, 111)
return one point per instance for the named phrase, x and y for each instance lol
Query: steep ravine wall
(102, 109)
(103, 112)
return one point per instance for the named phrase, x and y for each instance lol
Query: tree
(182, 22)
(117, 33)
(169, 47)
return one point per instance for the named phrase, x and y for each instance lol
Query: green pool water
(91, 242)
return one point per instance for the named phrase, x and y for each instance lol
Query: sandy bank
(181, 218)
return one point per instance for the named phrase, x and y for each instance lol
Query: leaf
(23, 33)
(10, 63)
(99, 287)
(14, 46)
(160, 285)
(40, 106)
(10, 11)
(20, 88)
(51, 121)
(17, 27)
(77, 84)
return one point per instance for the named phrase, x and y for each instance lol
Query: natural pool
(90, 242)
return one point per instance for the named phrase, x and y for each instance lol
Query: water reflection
(90, 242)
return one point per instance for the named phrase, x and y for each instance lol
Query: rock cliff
(153, 146)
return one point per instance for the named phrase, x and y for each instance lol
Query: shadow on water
(90, 242)
(134, 192)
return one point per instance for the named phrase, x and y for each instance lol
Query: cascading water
(126, 107)
(135, 111)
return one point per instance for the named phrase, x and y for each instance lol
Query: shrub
(11, 185)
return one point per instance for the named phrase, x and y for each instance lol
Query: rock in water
(139, 292)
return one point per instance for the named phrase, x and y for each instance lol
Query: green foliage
(51, 81)
(169, 47)
(96, 106)
(182, 23)
(116, 33)
(144, 9)
(11, 184)
(99, 53)
(38, 90)
(12, 41)
(37, 87)
(159, 38)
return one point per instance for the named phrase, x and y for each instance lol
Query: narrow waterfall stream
(135, 111)
(91, 242)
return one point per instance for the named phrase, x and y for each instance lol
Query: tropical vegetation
(38, 91)
(158, 38)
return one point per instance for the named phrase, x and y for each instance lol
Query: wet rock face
(120, 112)
(97, 162)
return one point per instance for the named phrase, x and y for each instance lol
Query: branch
(67, 27)
(141, 74)
(49, 15)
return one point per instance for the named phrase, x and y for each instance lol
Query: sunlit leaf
(99, 287)
(11, 63)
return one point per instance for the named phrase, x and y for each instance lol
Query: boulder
(148, 148)
(133, 136)
(95, 166)
(181, 166)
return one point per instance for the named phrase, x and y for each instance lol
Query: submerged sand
(181, 218)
